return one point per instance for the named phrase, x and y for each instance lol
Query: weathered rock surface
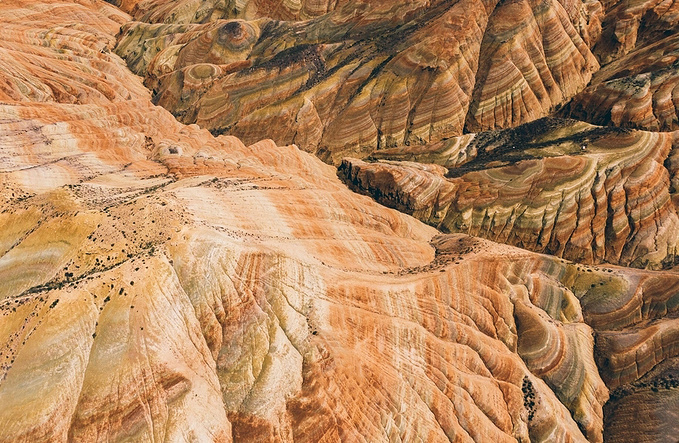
(639, 90)
(190, 11)
(630, 25)
(638, 85)
(366, 75)
(562, 187)
(45, 56)
(636, 411)
(161, 283)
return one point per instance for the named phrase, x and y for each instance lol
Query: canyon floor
(339, 220)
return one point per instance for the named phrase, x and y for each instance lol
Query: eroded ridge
(161, 283)
(366, 75)
(566, 188)
(639, 90)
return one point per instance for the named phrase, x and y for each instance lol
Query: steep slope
(162, 284)
(366, 75)
(47, 57)
(190, 11)
(629, 25)
(566, 188)
(638, 90)
(638, 85)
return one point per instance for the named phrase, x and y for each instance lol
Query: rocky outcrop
(632, 25)
(526, 70)
(637, 411)
(559, 187)
(46, 58)
(188, 11)
(365, 76)
(159, 283)
(639, 90)
(637, 86)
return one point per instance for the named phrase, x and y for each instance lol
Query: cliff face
(188, 11)
(638, 86)
(162, 282)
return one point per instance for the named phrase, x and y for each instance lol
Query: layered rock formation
(367, 75)
(638, 85)
(632, 25)
(161, 283)
(562, 187)
(46, 57)
(189, 11)
(639, 90)
(636, 411)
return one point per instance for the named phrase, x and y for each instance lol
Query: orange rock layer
(188, 11)
(365, 76)
(632, 25)
(160, 283)
(639, 90)
(584, 193)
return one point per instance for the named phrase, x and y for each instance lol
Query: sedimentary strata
(639, 90)
(158, 282)
(566, 188)
(632, 25)
(638, 410)
(188, 11)
(365, 76)
(46, 58)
